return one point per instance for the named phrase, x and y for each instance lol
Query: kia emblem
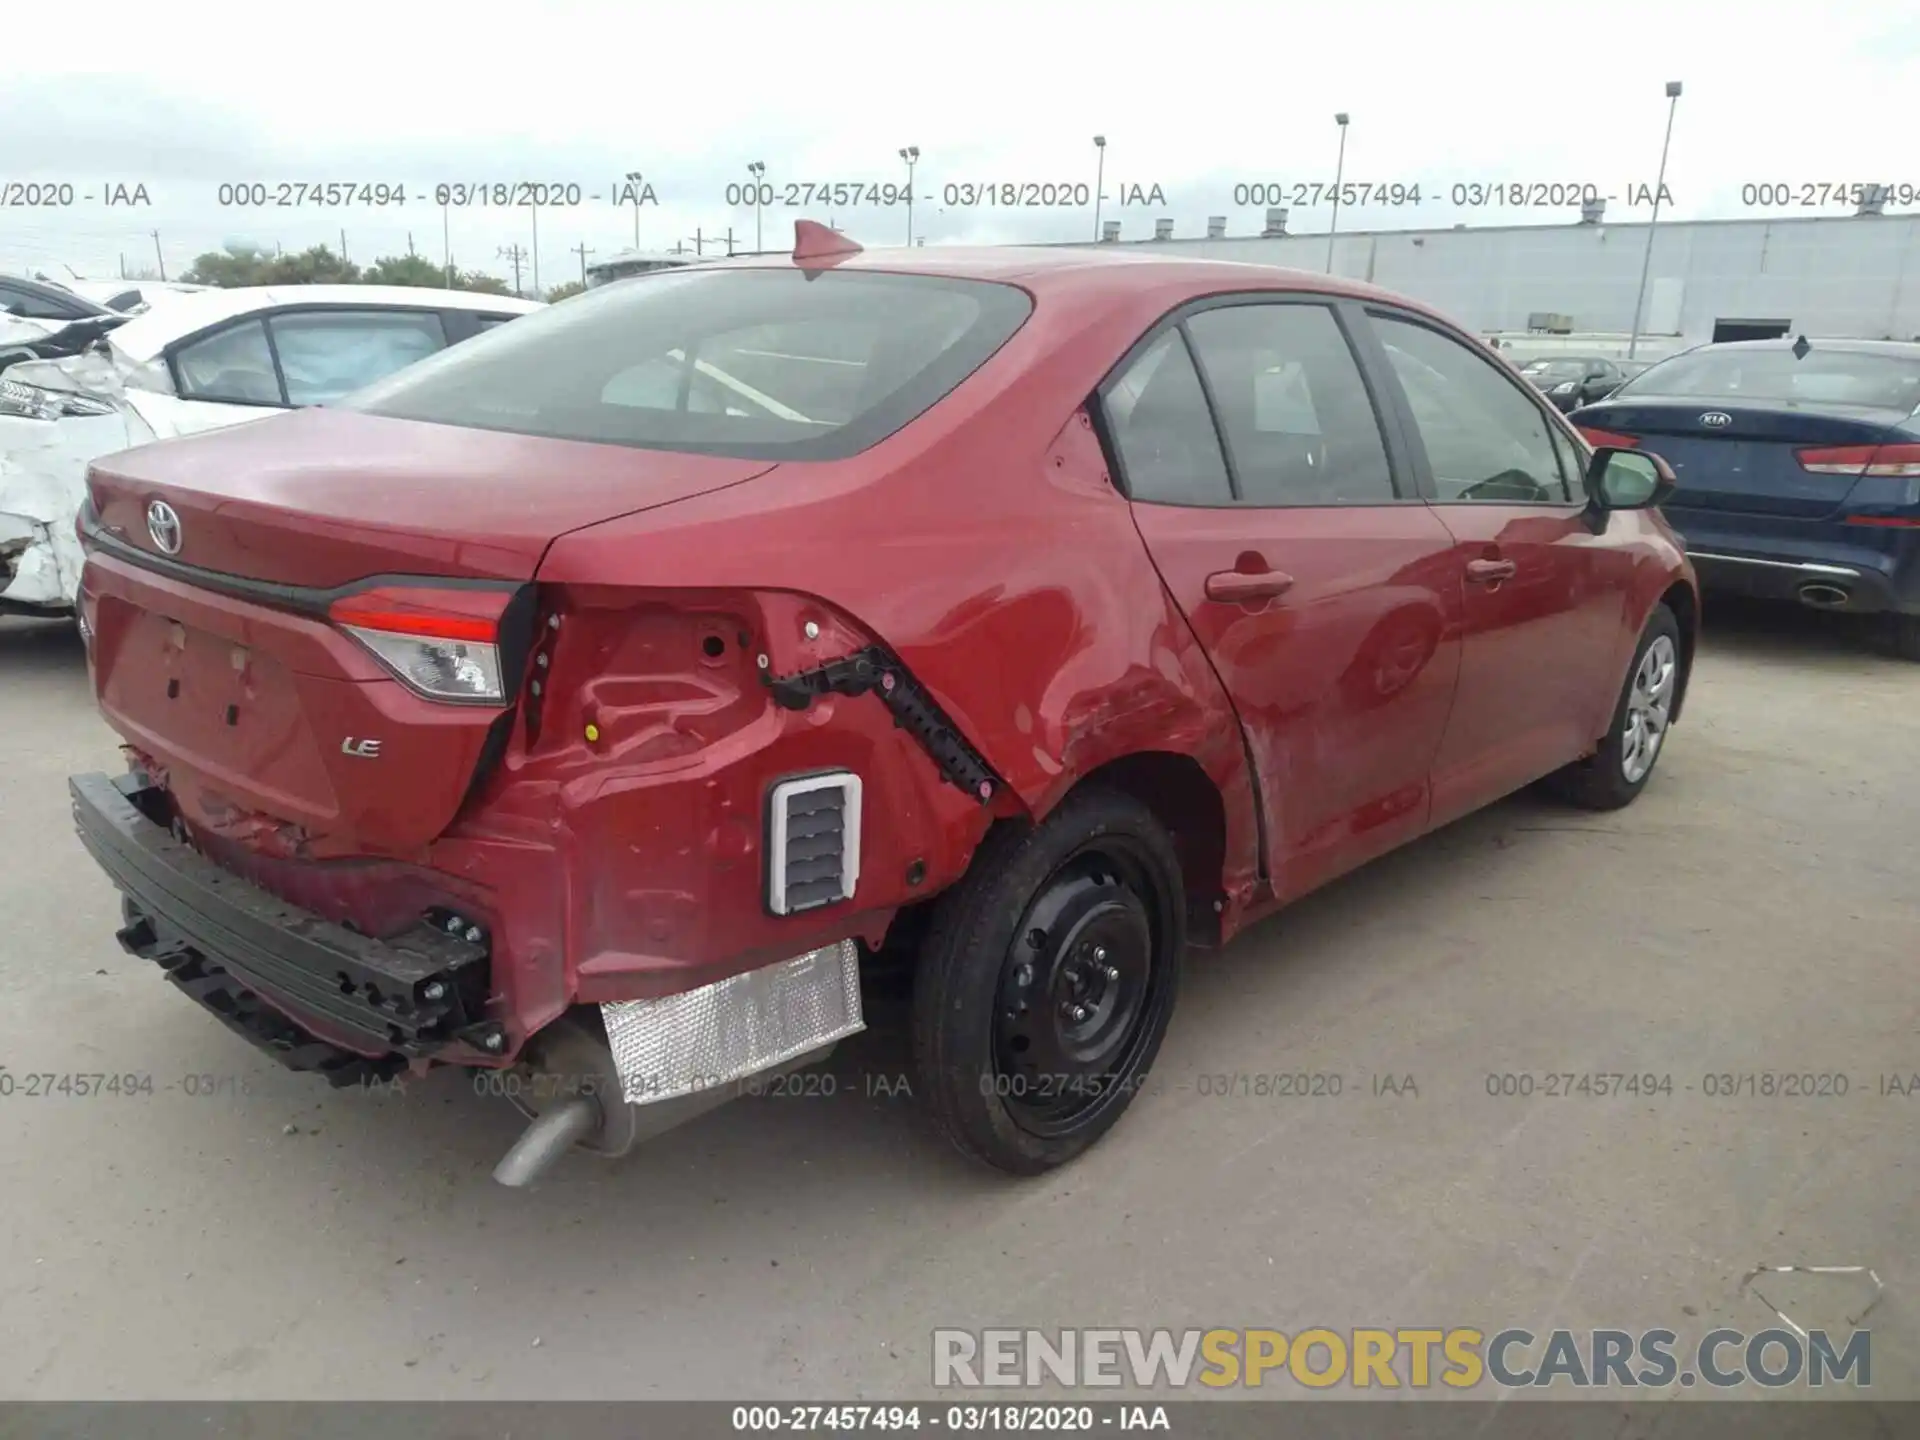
(1716, 419)
(164, 526)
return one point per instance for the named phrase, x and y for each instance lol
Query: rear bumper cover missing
(264, 966)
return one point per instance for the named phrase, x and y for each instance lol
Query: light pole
(1646, 261)
(757, 169)
(1099, 179)
(633, 180)
(910, 154)
(1339, 169)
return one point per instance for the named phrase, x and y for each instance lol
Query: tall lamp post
(758, 169)
(633, 180)
(1339, 169)
(910, 154)
(1646, 261)
(1099, 180)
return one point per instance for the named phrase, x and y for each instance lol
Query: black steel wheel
(1046, 982)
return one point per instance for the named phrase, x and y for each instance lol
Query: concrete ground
(1757, 911)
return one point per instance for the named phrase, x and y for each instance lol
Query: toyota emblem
(164, 526)
(1716, 419)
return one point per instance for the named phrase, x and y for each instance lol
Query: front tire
(1615, 774)
(1046, 982)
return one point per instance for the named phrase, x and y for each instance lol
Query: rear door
(1545, 596)
(1284, 521)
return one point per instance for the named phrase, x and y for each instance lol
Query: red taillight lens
(1608, 440)
(441, 642)
(1899, 461)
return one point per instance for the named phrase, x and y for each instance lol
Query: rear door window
(325, 354)
(1298, 422)
(773, 363)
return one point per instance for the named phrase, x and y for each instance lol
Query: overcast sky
(1194, 97)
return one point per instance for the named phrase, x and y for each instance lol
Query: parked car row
(102, 381)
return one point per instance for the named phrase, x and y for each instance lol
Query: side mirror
(1628, 480)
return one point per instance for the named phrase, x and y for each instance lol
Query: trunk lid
(322, 498)
(275, 727)
(1744, 460)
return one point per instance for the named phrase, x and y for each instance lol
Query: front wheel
(1616, 773)
(1046, 981)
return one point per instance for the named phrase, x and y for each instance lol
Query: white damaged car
(218, 357)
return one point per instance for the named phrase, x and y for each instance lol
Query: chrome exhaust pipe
(1823, 597)
(552, 1134)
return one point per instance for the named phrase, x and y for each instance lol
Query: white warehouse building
(1839, 275)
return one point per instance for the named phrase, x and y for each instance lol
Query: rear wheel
(1047, 980)
(1616, 773)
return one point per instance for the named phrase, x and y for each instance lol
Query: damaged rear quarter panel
(986, 546)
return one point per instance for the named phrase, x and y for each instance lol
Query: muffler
(605, 1083)
(1823, 597)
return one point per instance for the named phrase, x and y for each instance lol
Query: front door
(1544, 598)
(1324, 591)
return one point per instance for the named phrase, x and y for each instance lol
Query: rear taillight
(442, 643)
(1899, 461)
(1608, 440)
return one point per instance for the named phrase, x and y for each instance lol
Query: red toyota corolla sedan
(586, 704)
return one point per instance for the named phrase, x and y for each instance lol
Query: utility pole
(343, 246)
(1646, 260)
(634, 182)
(411, 252)
(534, 210)
(446, 243)
(123, 264)
(758, 169)
(158, 256)
(729, 242)
(516, 254)
(583, 252)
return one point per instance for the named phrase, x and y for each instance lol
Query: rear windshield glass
(774, 364)
(1555, 368)
(1831, 377)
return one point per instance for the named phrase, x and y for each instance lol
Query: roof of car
(145, 336)
(1036, 267)
(1902, 349)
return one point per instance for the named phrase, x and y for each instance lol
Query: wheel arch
(1684, 602)
(1187, 802)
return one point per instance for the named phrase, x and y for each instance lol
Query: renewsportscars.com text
(1460, 1358)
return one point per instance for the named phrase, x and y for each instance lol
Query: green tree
(238, 264)
(482, 282)
(561, 292)
(316, 265)
(405, 270)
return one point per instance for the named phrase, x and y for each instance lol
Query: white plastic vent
(813, 842)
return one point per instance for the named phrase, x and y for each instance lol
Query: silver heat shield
(734, 1028)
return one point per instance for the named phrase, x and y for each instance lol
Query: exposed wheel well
(1685, 606)
(1188, 803)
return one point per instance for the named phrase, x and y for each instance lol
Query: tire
(1083, 913)
(1903, 636)
(1615, 774)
